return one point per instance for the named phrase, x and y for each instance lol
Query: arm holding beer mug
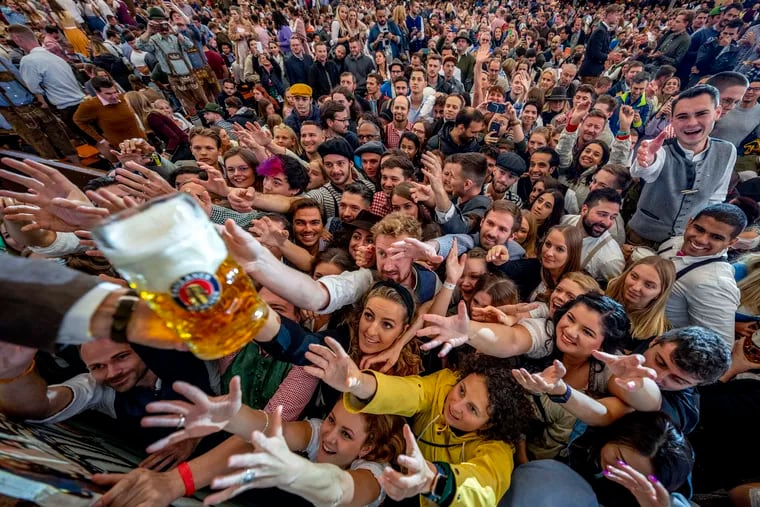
(45, 303)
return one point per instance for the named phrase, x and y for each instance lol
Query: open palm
(203, 415)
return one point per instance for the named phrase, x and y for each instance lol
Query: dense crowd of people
(510, 250)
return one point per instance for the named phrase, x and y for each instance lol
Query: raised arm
(491, 339)
(296, 287)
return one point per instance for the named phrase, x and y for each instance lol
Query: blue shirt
(49, 75)
(11, 83)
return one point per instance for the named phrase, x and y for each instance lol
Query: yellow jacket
(483, 468)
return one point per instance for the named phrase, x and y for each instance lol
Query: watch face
(440, 485)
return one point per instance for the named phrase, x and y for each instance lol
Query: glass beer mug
(171, 254)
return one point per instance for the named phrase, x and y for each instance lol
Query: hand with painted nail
(647, 490)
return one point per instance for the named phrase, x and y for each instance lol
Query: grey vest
(682, 189)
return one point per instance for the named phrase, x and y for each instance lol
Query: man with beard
(118, 384)
(507, 171)
(601, 256)
(400, 110)
(338, 161)
(462, 135)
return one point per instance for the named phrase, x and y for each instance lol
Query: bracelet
(562, 398)
(187, 478)
(266, 426)
(450, 286)
(29, 369)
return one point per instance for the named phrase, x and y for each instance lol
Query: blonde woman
(643, 289)
(547, 81)
(240, 30)
(141, 106)
(355, 26)
(285, 137)
(340, 33)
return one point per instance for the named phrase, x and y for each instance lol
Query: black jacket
(597, 49)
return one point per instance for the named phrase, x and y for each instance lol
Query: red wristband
(187, 478)
(571, 128)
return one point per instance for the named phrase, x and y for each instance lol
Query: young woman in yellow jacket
(464, 424)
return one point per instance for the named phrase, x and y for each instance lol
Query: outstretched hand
(417, 477)
(447, 332)
(200, 416)
(332, 365)
(271, 464)
(629, 370)
(548, 381)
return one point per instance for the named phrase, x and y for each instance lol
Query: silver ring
(248, 476)
(181, 421)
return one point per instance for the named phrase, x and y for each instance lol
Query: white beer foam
(164, 242)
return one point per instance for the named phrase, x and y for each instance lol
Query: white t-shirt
(88, 395)
(359, 464)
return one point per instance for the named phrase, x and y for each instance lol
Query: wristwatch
(121, 317)
(438, 487)
(563, 397)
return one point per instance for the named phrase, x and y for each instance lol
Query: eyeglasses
(729, 102)
(369, 137)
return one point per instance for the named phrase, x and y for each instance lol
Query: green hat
(155, 13)
(213, 107)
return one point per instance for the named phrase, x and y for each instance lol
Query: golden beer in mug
(171, 254)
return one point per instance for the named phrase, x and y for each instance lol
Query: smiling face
(467, 405)
(338, 169)
(671, 86)
(579, 332)
(600, 218)
(307, 226)
(496, 229)
(381, 323)
(706, 236)
(342, 437)
(554, 252)
(113, 364)
(540, 166)
(591, 128)
(238, 172)
(694, 119)
(359, 238)
(591, 156)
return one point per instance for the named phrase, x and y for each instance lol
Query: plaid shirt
(381, 205)
(393, 135)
